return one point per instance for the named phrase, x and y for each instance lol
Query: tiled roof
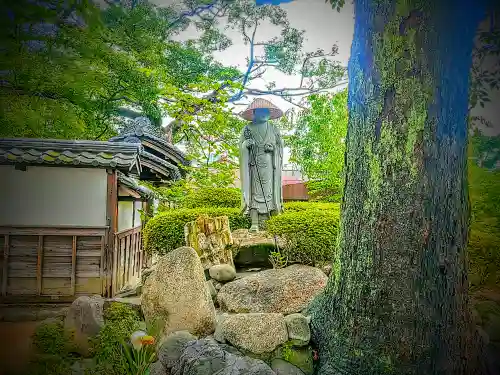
(96, 154)
(160, 166)
(133, 184)
(169, 149)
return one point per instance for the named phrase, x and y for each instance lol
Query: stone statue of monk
(261, 162)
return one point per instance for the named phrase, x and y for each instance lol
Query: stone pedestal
(212, 240)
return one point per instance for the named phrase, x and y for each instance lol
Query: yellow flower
(147, 340)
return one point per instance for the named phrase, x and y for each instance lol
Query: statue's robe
(260, 170)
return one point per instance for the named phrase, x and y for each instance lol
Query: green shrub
(165, 232)
(213, 197)
(120, 322)
(309, 235)
(53, 349)
(302, 206)
(52, 338)
(484, 237)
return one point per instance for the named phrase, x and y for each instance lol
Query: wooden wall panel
(56, 265)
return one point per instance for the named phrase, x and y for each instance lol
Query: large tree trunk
(397, 298)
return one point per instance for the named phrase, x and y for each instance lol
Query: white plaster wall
(53, 196)
(125, 215)
(137, 217)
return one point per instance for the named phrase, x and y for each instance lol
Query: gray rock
(217, 285)
(85, 319)
(222, 272)
(82, 366)
(255, 332)
(219, 333)
(298, 329)
(171, 347)
(176, 292)
(211, 288)
(327, 269)
(146, 272)
(157, 368)
(282, 367)
(288, 290)
(205, 357)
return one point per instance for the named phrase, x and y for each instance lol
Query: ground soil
(15, 346)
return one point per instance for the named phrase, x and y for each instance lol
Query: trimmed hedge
(165, 232)
(310, 235)
(484, 238)
(213, 197)
(302, 206)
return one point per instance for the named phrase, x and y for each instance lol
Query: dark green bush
(213, 197)
(302, 206)
(310, 235)
(165, 232)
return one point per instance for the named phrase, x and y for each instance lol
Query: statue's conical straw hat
(274, 111)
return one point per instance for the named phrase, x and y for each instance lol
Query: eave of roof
(133, 184)
(162, 145)
(58, 152)
(160, 166)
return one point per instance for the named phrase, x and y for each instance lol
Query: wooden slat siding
(39, 266)
(112, 217)
(73, 266)
(57, 266)
(126, 260)
(52, 231)
(5, 268)
(89, 265)
(101, 266)
(115, 267)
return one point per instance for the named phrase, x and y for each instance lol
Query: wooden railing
(128, 258)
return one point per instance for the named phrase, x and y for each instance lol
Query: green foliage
(485, 74)
(52, 338)
(310, 235)
(484, 237)
(278, 260)
(53, 349)
(318, 147)
(165, 232)
(120, 322)
(302, 206)
(139, 356)
(214, 197)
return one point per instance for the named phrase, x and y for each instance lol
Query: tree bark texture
(396, 302)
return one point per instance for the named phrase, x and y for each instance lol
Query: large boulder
(206, 357)
(255, 332)
(176, 292)
(84, 320)
(288, 290)
(171, 348)
(282, 367)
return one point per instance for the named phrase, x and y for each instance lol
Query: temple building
(70, 221)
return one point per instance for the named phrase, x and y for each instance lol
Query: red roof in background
(291, 180)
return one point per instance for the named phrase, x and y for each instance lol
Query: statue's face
(261, 115)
